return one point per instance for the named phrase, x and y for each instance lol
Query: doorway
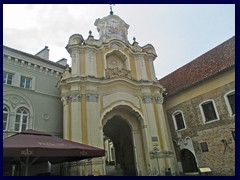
(188, 161)
(119, 131)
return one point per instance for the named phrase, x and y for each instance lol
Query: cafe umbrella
(31, 147)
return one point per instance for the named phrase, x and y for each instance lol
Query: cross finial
(111, 12)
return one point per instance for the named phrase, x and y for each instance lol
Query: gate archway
(119, 125)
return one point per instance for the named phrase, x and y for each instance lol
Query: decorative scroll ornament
(159, 99)
(92, 97)
(74, 97)
(147, 99)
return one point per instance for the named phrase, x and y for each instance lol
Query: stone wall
(218, 134)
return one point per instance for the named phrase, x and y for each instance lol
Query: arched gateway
(123, 126)
(111, 94)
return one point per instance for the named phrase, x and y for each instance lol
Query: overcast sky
(179, 33)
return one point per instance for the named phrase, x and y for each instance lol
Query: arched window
(178, 120)
(209, 111)
(5, 117)
(230, 102)
(21, 120)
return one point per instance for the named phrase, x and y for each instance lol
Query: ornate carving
(147, 99)
(15, 100)
(66, 73)
(45, 116)
(159, 99)
(117, 72)
(74, 97)
(64, 100)
(92, 97)
(112, 27)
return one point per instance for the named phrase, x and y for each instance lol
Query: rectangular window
(209, 111)
(17, 123)
(231, 100)
(24, 122)
(204, 146)
(26, 82)
(7, 78)
(179, 121)
(5, 118)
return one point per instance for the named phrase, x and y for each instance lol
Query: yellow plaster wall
(202, 88)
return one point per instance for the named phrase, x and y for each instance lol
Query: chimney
(43, 53)
(62, 61)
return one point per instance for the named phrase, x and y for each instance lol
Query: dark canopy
(32, 146)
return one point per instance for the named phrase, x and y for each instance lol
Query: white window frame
(230, 112)
(26, 77)
(202, 112)
(21, 119)
(175, 122)
(7, 77)
(7, 120)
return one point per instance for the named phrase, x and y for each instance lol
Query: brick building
(200, 108)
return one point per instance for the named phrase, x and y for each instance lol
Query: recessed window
(178, 120)
(26, 82)
(204, 146)
(21, 120)
(209, 111)
(7, 78)
(230, 102)
(5, 117)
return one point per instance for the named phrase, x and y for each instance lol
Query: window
(209, 111)
(21, 120)
(7, 78)
(5, 117)
(178, 120)
(204, 146)
(26, 82)
(230, 101)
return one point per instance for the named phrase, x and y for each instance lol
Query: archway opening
(120, 134)
(188, 160)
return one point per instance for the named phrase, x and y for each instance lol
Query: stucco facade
(37, 94)
(111, 91)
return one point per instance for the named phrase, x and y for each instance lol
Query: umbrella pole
(26, 166)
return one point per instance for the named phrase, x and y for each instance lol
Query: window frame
(229, 108)
(175, 122)
(8, 116)
(203, 114)
(21, 114)
(25, 78)
(7, 73)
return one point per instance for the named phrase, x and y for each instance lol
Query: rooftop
(217, 60)
(34, 56)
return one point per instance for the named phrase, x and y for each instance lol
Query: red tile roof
(218, 59)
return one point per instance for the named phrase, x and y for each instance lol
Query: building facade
(30, 96)
(200, 107)
(110, 98)
(111, 92)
